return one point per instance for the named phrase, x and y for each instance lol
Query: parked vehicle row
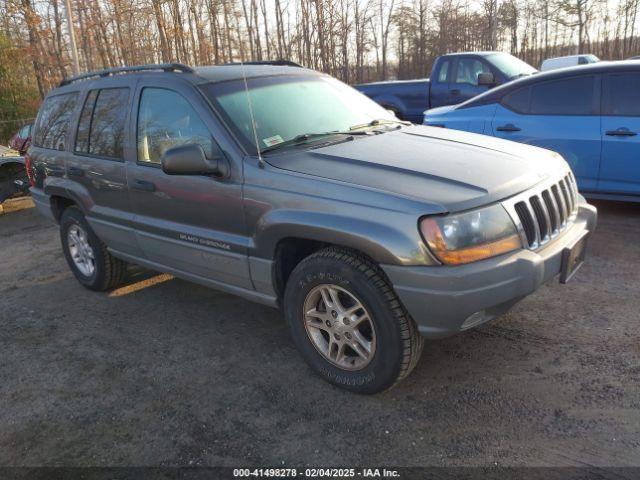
(454, 78)
(589, 114)
(289, 188)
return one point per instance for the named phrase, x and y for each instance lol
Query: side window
(571, 96)
(469, 69)
(622, 95)
(160, 127)
(443, 75)
(53, 121)
(519, 101)
(84, 125)
(101, 125)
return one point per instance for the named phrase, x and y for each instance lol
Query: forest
(354, 40)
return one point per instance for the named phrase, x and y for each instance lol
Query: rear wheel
(348, 323)
(87, 256)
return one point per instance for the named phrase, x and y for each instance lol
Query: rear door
(192, 223)
(97, 163)
(620, 168)
(561, 115)
(464, 84)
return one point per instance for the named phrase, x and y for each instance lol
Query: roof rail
(279, 63)
(107, 72)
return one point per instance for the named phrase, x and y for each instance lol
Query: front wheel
(348, 323)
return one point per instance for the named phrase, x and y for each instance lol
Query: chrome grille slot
(552, 208)
(544, 212)
(542, 216)
(527, 222)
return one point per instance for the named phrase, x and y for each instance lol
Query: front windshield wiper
(377, 122)
(306, 137)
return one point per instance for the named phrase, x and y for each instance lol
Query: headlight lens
(470, 236)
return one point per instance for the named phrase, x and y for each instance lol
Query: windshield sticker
(271, 141)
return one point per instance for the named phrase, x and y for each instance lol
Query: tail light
(28, 165)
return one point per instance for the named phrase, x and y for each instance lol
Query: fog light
(475, 319)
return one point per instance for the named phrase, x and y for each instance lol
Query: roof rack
(107, 72)
(278, 63)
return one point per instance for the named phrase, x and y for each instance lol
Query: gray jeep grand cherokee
(287, 187)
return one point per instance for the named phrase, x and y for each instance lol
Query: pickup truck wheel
(87, 256)
(348, 323)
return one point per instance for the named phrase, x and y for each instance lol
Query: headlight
(470, 236)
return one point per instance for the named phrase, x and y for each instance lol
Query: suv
(289, 188)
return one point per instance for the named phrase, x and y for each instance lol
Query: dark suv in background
(287, 187)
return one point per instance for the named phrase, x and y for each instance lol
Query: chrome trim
(563, 195)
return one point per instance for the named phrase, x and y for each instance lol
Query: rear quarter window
(53, 121)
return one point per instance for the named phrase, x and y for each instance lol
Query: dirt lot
(165, 372)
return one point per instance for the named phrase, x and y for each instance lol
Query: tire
(395, 344)
(108, 271)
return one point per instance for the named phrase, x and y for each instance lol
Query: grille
(546, 213)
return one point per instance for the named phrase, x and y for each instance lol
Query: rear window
(53, 121)
(622, 95)
(101, 125)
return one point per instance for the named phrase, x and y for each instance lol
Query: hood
(439, 110)
(457, 170)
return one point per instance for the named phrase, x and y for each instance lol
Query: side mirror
(191, 160)
(486, 80)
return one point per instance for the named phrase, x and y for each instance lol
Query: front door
(193, 224)
(464, 84)
(620, 169)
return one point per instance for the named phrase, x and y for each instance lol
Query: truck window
(622, 95)
(160, 128)
(53, 121)
(570, 96)
(469, 69)
(443, 74)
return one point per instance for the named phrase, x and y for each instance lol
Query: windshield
(286, 107)
(510, 65)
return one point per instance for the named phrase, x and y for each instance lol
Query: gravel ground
(165, 372)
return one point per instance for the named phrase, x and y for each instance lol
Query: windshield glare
(285, 107)
(510, 65)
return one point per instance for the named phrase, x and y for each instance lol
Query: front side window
(469, 69)
(53, 121)
(622, 95)
(24, 131)
(287, 106)
(570, 96)
(165, 120)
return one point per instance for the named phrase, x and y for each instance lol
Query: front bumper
(445, 300)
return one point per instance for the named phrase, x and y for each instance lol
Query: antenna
(253, 120)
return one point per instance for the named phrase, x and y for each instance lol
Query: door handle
(144, 185)
(455, 91)
(509, 127)
(621, 132)
(75, 171)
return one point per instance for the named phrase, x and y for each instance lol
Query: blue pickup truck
(455, 77)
